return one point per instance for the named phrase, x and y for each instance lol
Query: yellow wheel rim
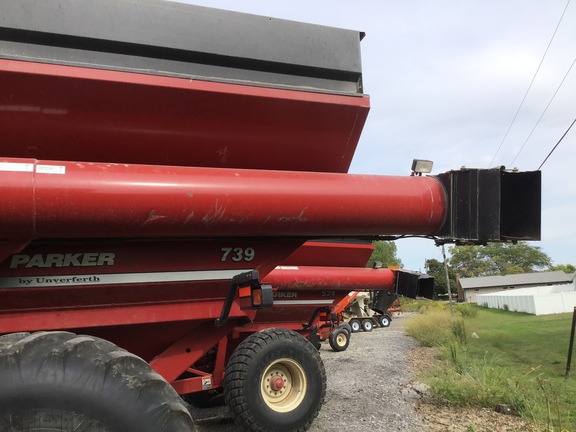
(341, 339)
(283, 385)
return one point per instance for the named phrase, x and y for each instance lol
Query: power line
(559, 141)
(530, 86)
(543, 112)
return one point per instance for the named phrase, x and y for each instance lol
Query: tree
(498, 259)
(467, 262)
(385, 251)
(566, 268)
(436, 268)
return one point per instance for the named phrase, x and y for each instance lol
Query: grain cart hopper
(157, 161)
(332, 253)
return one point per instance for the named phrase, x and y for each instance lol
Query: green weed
(458, 329)
(517, 359)
(467, 310)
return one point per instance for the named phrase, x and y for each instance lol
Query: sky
(446, 79)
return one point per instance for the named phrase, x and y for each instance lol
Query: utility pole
(571, 348)
(447, 280)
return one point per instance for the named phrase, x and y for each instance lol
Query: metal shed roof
(516, 280)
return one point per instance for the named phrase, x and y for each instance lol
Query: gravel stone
(369, 387)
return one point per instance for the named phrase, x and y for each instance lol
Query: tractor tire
(62, 382)
(275, 381)
(355, 325)
(385, 320)
(346, 327)
(339, 339)
(367, 325)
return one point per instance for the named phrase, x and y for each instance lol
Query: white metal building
(538, 301)
(469, 288)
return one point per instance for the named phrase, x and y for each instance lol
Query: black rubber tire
(385, 321)
(367, 325)
(339, 339)
(346, 327)
(355, 325)
(245, 374)
(59, 381)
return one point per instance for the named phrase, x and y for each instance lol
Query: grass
(515, 359)
(410, 305)
(520, 339)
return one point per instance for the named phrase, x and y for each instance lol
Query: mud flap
(313, 337)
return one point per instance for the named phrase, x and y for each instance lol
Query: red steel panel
(79, 275)
(87, 318)
(179, 356)
(331, 254)
(73, 113)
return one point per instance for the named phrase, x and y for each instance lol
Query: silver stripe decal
(50, 169)
(118, 278)
(16, 167)
(302, 302)
(28, 167)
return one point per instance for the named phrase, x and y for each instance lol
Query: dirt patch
(437, 416)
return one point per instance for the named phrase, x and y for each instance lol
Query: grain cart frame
(143, 201)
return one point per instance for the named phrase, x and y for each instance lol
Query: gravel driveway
(368, 387)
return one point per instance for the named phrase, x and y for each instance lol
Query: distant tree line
(491, 260)
(476, 261)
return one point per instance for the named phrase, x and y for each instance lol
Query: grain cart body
(157, 162)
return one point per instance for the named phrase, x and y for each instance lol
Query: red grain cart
(311, 300)
(157, 161)
(332, 268)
